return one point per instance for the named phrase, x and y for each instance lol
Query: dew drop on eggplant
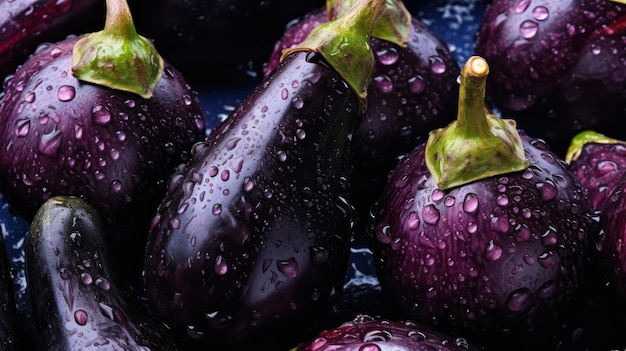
(548, 259)
(101, 115)
(221, 266)
(470, 203)
(49, 143)
(86, 278)
(383, 83)
(540, 13)
(417, 85)
(66, 93)
(547, 190)
(522, 6)
(22, 127)
(387, 56)
(289, 267)
(493, 251)
(103, 284)
(430, 214)
(437, 65)
(80, 317)
(528, 29)
(519, 300)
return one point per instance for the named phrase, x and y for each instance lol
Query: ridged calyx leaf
(478, 144)
(586, 137)
(394, 24)
(118, 57)
(344, 43)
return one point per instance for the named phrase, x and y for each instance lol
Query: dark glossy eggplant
(210, 40)
(557, 66)
(26, 24)
(77, 303)
(250, 246)
(484, 230)
(365, 333)
(414, 90)
(61, 135)
(9, 333)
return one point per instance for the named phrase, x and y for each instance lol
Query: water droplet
(49, 143)
(528, 29)
(437, 65)
(493, 251)
(387, 56)
(383, 83)
(430, 214)
(86, 278)
(221, 267)
(116, 186)
(297, 102)
(80, 317)
(522, 6)
(383, 233)
(103, 284)
(76, 238)
(225, 175)
(101, 115)
(289, 268)
(301, 133)
(319, 254)
(284, 94)
(413, 220)
(470, 203)
(547, 190)
(548, 259)
(502, 200)
(29, 97)
(550, 237)
(66, 93)
(540, 13)
(519, 300)
(417, 84)
(217, 209)
(22, 127)
(547, 289)
(64, 273)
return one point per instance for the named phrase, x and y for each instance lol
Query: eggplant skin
(250, 246)
(556, 66)
(77, 304)
(410, 95)
(60, 136)
(505, 256)
(28, 23)
(373, 333)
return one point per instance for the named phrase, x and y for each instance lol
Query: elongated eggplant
(77, 303)
(484, 229)
(71, 126)
(26, 24)
(250, 246)
(557, 66)
(410, 94)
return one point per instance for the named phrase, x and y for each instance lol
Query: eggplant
(234, 35)
(24, 25)
(69, 129)
(9, 324)
(76, 300)
(483, 229)
(250, 246)
(372, 333)
(557, 66)
(411, 93)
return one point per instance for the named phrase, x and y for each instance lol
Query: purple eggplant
(76, 301)
(483, 229)
(114, 145)
(250, 246)
(557, 65)
(213, 40)
(26, 24)
(411, 94)
(370, 333)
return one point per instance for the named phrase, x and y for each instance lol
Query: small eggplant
(69, 129)
(250, 246)
(9, 333)
(211, 40)
(26, 24)
(76, 302)
(557, 65)
(483, 229)
(370, 333)
(414, 83)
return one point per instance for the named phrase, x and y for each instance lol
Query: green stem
(587, 137)
(345, 44)
(117, 57)
(478, 144)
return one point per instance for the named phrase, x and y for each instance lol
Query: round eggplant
(484, 229)
(76, 301)
(61, 135)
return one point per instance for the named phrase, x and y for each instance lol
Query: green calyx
(394, 24)
(344, 43)
(117, 57)
(478, 144)
(586, 137)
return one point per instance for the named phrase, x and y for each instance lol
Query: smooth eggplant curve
(62, 136)
(251, 243)
(501, 257)
(77, 304)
